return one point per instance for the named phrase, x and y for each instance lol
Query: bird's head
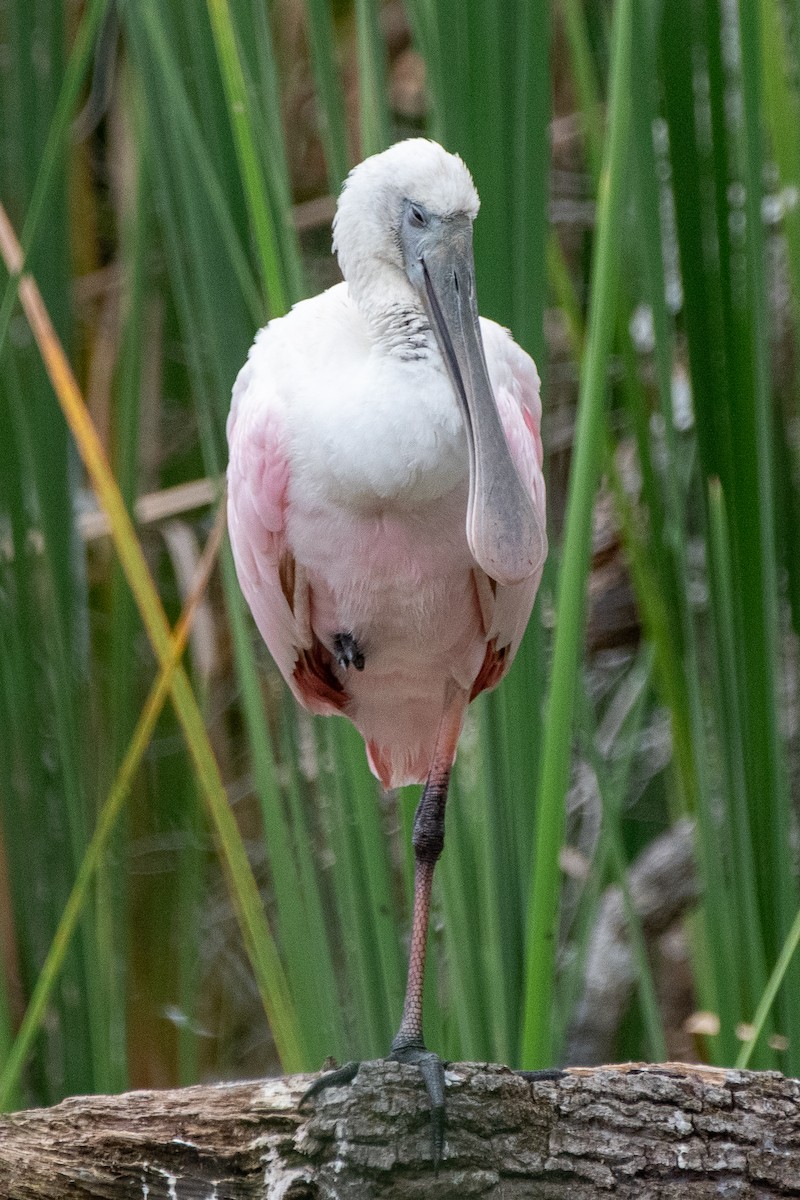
(403, 236)
(392, 204)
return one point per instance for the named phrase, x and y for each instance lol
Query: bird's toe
(336, 1078)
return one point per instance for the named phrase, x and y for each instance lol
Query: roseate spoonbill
(386, 502)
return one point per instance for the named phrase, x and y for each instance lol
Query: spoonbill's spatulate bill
(386, 501)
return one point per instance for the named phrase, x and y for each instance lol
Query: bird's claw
(415, 1054)
(412, 1054)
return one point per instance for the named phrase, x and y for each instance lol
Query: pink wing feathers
(274, 587)
(506, 610)
(515, 382)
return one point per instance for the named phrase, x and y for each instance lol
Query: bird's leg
(428, 840)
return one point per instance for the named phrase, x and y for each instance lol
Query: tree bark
(629, 1131)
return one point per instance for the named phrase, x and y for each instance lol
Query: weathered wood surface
(646, 1132)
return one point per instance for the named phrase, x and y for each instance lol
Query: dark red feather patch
(492, 669)
(316, 680)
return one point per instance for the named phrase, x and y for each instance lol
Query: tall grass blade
(755, 553)
(543, 907)
(53, 150)
(121, 691)
(464, 933)
(371, 1027)
(319, 933)
(782, 113)
(776, 979)
(743, 891)
(531, 176)
(243, 122)
(254, 28)
(371, 54)
(612, 795)
(585, 79)
(330, 97)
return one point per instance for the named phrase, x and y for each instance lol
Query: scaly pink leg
(428, 839)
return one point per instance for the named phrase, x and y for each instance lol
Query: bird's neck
(401, 331)
(398, 324)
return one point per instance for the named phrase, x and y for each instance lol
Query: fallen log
(667, 1131)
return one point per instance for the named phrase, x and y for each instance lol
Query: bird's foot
(413, 1052)
(348, 652)
(410, 1052)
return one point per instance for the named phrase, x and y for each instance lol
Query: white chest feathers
(390, 432)
(361, 428)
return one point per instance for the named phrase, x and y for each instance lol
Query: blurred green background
(620, 878)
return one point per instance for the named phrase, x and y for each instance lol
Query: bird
(386, 501)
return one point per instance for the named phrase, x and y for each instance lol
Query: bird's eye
(416, 216)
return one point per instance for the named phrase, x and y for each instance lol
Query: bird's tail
(396, 766)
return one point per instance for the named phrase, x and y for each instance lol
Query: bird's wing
(506, 609)
(273, 585)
